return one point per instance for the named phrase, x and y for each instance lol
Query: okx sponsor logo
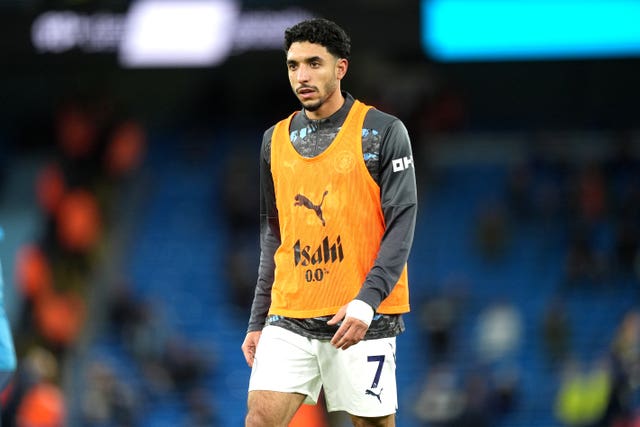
(402, 163)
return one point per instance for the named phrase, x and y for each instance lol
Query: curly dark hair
(321, 31)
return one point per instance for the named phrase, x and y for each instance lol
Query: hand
(249, 346)
(350, 332)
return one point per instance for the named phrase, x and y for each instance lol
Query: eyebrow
(307, 60)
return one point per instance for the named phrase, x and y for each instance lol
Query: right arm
(262, 296)
(269, 239)
(269, 243)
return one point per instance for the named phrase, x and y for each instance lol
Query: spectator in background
(492, 232)
(519, 193)
(185, 364)
(441, 401)
(589, 251)
(556, 332)
(125, 149)
(582, 267)
(123, 310)
(53, 275)
(498, 341)
(7, 350)
(625, 367)
(498, 333)
(477, 410)
(584, 394)
(201, 409)
(591, 196)
(36, 398)
(438, 318)
(108, 399)
(626, 345)
(627, 247)
(439, 315)
(59, 318)
(79, 227)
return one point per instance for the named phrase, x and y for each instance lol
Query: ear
(341, 68)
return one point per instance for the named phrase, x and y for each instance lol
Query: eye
(291, 66)
(315, 64)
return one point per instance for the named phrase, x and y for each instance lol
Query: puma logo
(372, 393)
(302, 200)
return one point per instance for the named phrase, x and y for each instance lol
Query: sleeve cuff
(360, 310)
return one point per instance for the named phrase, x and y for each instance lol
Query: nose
(302, 73)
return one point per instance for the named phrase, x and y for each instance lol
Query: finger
(341, 340)
(249, 352)
(347, 344)
(338, 316)
(338, 336)
(351, 332)
(334, 320)
(346, 341)
(340, 343)
(344, 335)
(249, 347)
(248, 356)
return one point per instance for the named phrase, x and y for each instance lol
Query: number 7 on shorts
(380, 360)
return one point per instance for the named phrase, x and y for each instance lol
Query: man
(338, 209)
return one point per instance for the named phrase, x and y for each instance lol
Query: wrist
(360, 310)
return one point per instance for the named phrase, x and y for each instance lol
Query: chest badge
(344, 162)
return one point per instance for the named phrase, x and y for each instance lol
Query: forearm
(392, 256)
(262, 295)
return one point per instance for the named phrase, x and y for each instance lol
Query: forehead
(299, 51)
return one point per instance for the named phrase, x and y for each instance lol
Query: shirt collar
(336, 118)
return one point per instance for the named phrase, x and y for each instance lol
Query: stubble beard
(313, 105)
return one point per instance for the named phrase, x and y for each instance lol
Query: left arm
(398, 196)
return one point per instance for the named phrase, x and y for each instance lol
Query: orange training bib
(331, 224)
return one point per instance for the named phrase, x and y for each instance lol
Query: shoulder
(266, 136)
(389, 127)
(377, 118)
(297, 121)
(266, 144)
(383, 122)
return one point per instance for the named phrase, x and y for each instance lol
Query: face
(314, 75)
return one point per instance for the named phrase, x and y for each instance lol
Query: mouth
(305, 92)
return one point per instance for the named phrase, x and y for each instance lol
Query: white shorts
(360, 380)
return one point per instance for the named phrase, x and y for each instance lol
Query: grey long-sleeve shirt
(387, 154)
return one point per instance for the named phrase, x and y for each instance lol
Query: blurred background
(129, 143)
